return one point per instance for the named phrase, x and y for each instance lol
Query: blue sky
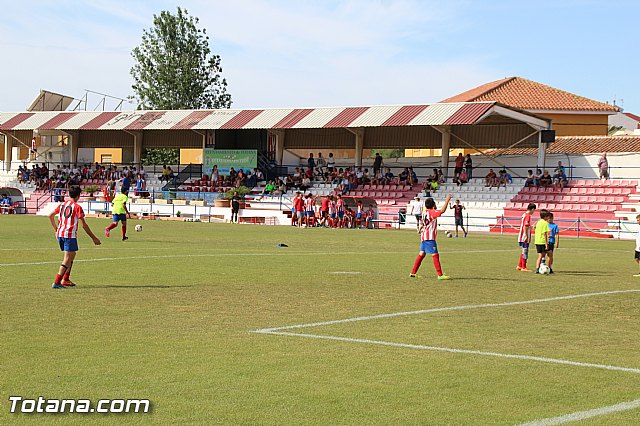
(322, 53)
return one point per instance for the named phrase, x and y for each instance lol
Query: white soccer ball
(544, 269)
(138, 228)
(449, 234)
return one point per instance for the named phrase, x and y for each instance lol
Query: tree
(175, 68)
(160, 156)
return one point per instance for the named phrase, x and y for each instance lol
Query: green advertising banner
(225, 159)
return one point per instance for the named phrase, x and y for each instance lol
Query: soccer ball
(449, 234)
(138, 228)
(544, 269)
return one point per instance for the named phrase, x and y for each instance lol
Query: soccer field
(216, 324)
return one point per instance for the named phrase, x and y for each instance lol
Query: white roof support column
(542, 152)
(445, 132)
(138, 139)
(8, 151)
(279, 134)
(359, 144)
(72, 145)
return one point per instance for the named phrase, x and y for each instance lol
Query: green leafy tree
(175, 68)
(160, 156)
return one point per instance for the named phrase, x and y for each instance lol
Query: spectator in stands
(5, 204)
(377, 163)
(331, 162)
(215, 176)
(164, 177)
(603, 165)
(537, 177)
(258, 174)
(441, 177)
(491, 179)
(560, 178)
(462, 179)
(320, 165)
(529, 180)
(388, 176)
(413, 177)
(268, 188)
(502, 178)
(559, 169)
(311, 163)
(305, 184)
(402, 177)
(468, 164)
(459, 165)
(359, 175)
(546, 179)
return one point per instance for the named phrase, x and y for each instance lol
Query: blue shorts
(68, 244)
(358, 215)
(340, 215)
(524, 245)
(429, 246)
(309, 213)
(120, 217)
(332, 215)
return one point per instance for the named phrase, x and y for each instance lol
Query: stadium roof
(438, 114)
(530, 95)
(583, 145)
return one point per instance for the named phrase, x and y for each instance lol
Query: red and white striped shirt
(340, 205)
(308, 204)
(69, 215)
(332, 207)
(359, 209)
(524, 223)
(429, 229)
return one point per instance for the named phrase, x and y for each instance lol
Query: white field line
(175, 256)
(583, 415)
(450, 308)
(456, 351)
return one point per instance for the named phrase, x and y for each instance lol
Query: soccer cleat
(465, 235)
(125, 238)
(637, 275)
(519, 268)
(68, 284)
(551, 271)
(412, 275)
(526, 270)
(54, 285)
(107, 232)
(537, 271)
(444, 277)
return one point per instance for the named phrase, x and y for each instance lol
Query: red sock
(417, 263)
(124, 230)
(113, 225)
(524, 261)
(436, 263)
(58, 279)
(521, 262)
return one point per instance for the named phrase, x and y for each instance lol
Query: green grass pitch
(170, 316)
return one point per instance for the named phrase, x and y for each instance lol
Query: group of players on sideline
(332, 213)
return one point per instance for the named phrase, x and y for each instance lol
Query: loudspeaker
(548, 136)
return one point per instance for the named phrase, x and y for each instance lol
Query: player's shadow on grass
(137, 286)
(585, 273)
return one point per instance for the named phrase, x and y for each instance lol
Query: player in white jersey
(428, 232)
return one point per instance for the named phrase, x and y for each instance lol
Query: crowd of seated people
(493, 180)
(544, 179)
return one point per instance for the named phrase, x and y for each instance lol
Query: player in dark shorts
(457, 214)
(235, 207)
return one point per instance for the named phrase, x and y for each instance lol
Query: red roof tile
(632, 116)
(529, 95)
(584, 145)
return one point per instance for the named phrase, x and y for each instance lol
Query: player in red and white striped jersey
(70, 214)
(524, 237)
(428, 233)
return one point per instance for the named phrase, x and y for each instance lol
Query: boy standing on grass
(554, 241)
(120, 213)
(69, 214)
(542, 238)
(457, 214)
(638, 247)
(428, 232)
(524, 237)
